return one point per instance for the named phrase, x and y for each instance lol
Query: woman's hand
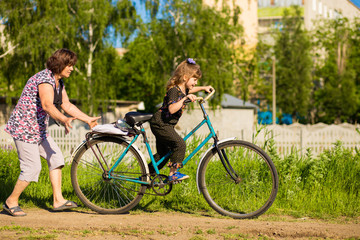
(92, 121)
(67, 124)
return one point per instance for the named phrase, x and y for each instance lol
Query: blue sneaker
(177, 176)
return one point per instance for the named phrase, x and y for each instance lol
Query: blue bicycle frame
(212, 134)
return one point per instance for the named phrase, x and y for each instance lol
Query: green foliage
(354, 58)
(337, 74)
(36, 194)
(274, 11)
(165, 41)
(315, 86)
(9, 170)
(176, 31)
(263, 86)
(38, 28)
(293, 64)
(326, 186)
(323, 186)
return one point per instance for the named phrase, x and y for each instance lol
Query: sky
(141, 10)
(356, 3)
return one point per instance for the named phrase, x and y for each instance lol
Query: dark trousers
(167, 139)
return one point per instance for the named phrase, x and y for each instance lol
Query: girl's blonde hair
(186, 68)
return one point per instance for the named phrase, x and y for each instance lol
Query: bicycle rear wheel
(97, 189)
(254, 188)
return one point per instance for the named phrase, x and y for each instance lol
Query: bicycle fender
(203, 156)
(136, 148)
(77, 149)
(73, 153)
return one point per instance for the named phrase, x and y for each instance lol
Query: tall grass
(36, 194)
(325, 186)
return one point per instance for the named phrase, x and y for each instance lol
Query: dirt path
(42, 224)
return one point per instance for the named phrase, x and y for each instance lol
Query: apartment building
(316, 9)
(270, 13)
(248, 17)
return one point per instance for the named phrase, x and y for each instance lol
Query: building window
(314, 5)
(278, 25)
(279, 3)
(337, 14)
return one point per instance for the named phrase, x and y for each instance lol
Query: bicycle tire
(257, 184)
(98, 192)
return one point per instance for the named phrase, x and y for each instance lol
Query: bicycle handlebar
(201, 99)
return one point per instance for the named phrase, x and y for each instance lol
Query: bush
(324, 186)
(36, 194)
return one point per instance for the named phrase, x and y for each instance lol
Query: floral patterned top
(163, 115)
(29, 121)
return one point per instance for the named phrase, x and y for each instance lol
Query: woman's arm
(72, 110)
(46, 94)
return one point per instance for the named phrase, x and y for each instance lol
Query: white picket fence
(297, 137)
(318, 137)
(67, 143)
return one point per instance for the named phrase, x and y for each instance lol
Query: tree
(36, 28)
(176, 30)
(337, 98)
(263, 87)
(293, 64)
(179, 30)
(354, 58)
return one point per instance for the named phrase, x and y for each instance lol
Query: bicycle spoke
(254, 189)
(90, 165)
(102, 191)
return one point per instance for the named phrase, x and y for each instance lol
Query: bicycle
(110, 174)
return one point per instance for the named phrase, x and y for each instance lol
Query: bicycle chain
(149, 187)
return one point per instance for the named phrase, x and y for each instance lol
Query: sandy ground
(78, 224)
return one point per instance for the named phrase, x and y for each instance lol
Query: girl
(180, 87)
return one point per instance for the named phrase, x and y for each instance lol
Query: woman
(43, 95)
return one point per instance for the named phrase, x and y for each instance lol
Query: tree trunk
(89, 70)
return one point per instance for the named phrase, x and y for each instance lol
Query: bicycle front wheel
(97, 189)
(251, 189)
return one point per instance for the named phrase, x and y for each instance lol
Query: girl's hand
(208, 89)
(191, 97)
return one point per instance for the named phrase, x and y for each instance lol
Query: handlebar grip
(210, 94)
(187, 101)
(212, 91)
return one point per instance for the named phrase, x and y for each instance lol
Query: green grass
(274, 11)
(326, 186)
(36, 194)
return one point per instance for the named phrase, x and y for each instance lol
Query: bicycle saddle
(137, 118)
